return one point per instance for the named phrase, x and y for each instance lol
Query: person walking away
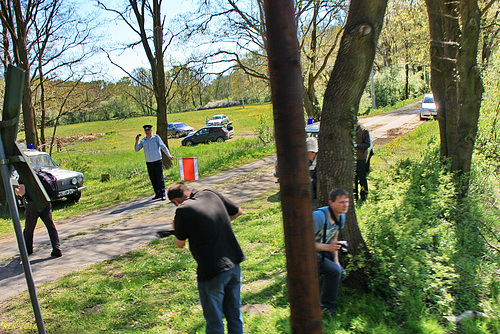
(204, 218)
(362, 146)
(328, 222)
(31, 215)
(153, 145)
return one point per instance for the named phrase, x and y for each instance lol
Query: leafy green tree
(404, 39)
(490, 30)
(348, 80)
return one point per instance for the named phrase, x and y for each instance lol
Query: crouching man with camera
(329, 221)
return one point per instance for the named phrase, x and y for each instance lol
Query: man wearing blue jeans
(204, 217)
(329, 221)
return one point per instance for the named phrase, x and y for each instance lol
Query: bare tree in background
(62, 42)
(16, 18)
(340, 110)
(155, 40)
(240, 26)
(50, 41)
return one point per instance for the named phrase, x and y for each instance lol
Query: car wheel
(177, 135)
(421, 118)
(74, 197)
(189, 143)
(219, 140)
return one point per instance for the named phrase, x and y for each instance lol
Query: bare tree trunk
(19, 35)
(156, 61)
(445, 34)
(42, 108)
(286, 88)
(160, 87)
(343, 93)
(438, 85)
(471, 89)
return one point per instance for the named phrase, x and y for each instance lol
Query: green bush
(409, 231)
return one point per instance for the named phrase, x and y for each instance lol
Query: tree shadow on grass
(274, 198)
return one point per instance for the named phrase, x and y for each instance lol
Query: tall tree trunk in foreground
(286, 90)
(340, 110)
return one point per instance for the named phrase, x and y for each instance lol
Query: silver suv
(70, 183)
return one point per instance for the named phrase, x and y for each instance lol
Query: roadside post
(11, 156)
(295, 191)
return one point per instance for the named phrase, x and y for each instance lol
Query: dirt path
(113, 231)
(386, 127)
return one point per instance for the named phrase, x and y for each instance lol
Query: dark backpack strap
(324, 234)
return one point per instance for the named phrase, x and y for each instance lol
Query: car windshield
(217, 117)
(428, 99)
(180, 125)
(42, 160)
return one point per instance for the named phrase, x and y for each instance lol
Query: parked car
(428, 107)
(208, 134)
(218, 120)
(178, 129)
(70, 183)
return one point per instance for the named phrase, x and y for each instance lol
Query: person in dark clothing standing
(204, 217)
(31, 215)
(362, 146)
(153, 145)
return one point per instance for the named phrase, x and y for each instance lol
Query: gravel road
(99, 236)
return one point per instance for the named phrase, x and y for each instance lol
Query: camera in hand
(343, 246)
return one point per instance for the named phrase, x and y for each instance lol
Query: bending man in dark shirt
(204, 217)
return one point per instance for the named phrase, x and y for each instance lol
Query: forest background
(65, 90)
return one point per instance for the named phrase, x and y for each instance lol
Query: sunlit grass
(113, 153)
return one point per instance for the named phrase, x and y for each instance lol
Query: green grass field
(107, 147)
(153, 289)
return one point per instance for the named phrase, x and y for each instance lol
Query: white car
(218, 120)
(70, 183)
(428, 107)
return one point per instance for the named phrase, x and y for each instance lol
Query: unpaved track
(99, 236)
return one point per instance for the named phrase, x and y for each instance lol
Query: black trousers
(361, 180)
(31, 214)
(155, 171)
